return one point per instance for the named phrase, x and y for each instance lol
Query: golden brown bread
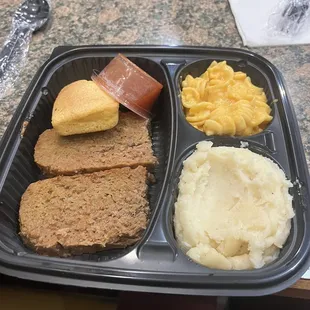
(82, 107)
(70, 215)
(127, 144)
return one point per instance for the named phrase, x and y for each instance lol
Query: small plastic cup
(129, 85)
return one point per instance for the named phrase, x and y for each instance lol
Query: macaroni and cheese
(224, 102)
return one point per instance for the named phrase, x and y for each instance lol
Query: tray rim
(138, 50)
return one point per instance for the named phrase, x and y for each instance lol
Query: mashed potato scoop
(233, 210)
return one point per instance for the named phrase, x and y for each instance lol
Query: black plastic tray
(155, 264)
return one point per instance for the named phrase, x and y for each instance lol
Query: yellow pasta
(224, 102)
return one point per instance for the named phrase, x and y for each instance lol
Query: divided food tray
(155, 264)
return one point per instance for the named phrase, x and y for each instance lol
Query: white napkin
(306, 275)
(252, 19)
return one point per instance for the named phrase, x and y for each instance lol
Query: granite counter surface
(158, 22)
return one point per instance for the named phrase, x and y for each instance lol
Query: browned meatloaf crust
(127, 144)
(69, 215)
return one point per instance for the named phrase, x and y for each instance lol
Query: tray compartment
(289, 248)
(24, 171)
(258, 78)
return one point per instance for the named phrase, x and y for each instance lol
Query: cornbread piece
(69, 215)
(83, 107)
(127, 144)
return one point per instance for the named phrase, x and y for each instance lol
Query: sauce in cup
(129, 85)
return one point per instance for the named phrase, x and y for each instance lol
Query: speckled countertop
(79, 22)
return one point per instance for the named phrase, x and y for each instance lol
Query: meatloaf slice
(70, 215)
(127, 144)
